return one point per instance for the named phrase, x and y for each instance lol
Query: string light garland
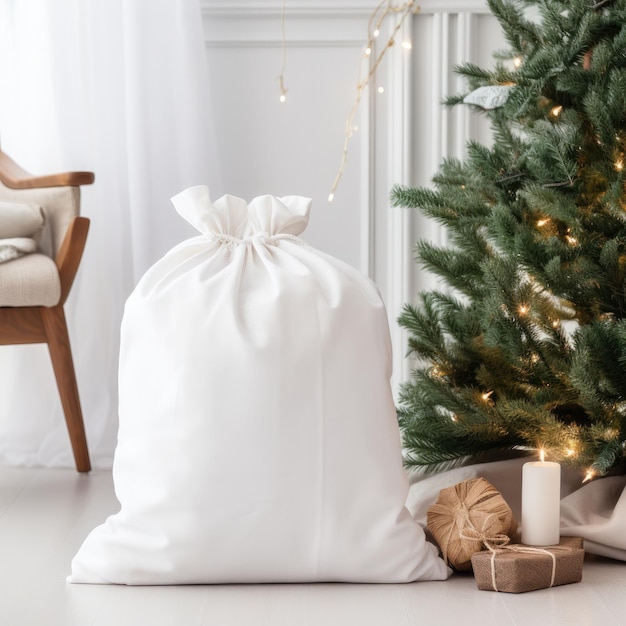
(281, 77)
(381, 12)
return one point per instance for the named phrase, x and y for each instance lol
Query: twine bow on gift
(523, 550)
(261, 237)
(501, 543)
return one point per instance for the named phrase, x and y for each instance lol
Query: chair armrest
(13, 176)
(70, 253)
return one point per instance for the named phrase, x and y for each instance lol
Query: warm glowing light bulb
(570, 452)
(589, 475)
(543, 222)
(368, 51)
(331, 197)
(555, 324)
(619, 165)
(517, 61)
(376, 33)
(523, 309)
(485, 396)
(283, 97)
(556, 111)
(381, 90)
(407, 45)
(571, 240)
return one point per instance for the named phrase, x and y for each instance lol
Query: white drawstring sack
(258, 440)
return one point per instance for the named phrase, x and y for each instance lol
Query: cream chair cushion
(31, 280)
(16, 247)
(19, 220)
(60, 205)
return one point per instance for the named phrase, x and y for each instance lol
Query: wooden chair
(29, 320)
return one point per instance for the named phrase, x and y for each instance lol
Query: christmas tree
(524, 345)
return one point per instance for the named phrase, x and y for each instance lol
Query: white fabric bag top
(258, 440)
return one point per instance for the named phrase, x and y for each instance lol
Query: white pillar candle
(541, 503)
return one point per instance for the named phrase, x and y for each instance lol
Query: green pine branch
(525, 347)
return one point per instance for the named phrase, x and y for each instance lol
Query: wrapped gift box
(518, 568)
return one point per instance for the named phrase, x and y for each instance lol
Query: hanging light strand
(376, 20)
(281, 77)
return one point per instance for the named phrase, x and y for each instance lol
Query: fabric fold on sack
(258, 439)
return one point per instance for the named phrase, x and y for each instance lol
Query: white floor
(45, 515)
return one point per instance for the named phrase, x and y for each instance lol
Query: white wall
(295, 148)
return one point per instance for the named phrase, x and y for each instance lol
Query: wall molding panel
(330, 8)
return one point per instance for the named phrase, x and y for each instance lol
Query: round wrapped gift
(466, 518)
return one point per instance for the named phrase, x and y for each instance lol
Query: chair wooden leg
(58, 340)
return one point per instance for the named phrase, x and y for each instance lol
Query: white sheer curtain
(118, 87)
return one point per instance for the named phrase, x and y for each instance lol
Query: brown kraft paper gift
(518, 568)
